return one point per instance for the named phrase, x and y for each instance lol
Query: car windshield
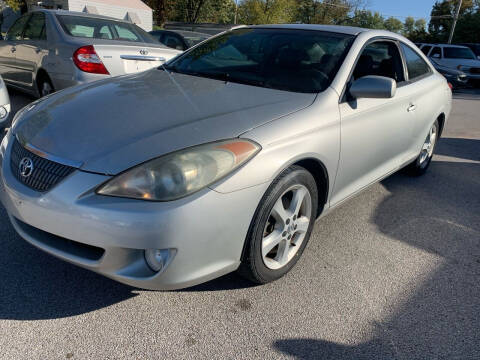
(98, 28)
(476, 49)
(284, 59)
(458, 53)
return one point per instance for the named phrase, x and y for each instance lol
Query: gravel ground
(392, 274)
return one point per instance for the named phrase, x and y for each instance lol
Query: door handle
(13, 49)
(412, 107)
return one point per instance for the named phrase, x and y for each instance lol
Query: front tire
(422, 162)
(281, 226)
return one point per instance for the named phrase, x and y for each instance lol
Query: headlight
(3, 112)
(181, 173)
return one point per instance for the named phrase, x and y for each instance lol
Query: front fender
(312, 133)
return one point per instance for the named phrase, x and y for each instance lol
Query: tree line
(334, 12)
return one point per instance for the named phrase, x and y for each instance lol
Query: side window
(35, 28)
(105, 33)
(15, 32)
(125, 34)
(426, 49)
(380, 58)
(416, 66)
(436, 52)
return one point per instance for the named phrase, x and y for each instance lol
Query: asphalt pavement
(392, 274)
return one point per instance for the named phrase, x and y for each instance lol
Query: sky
(402, 8)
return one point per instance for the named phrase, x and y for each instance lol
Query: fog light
(157, 259)
(3, 112)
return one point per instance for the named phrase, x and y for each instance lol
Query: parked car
(223, 158)
(474, 47)
(456, 78)
(456, 57)
(5, 107)
(425, 48)
(50, 50)
(179, 39)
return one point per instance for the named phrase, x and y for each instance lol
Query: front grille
(45, 174)
(475, 70)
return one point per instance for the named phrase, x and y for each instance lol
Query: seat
(364, 67)
(387, 69)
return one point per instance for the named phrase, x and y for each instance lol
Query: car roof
(331, 28)
(191, 33)
(451, 45)
(160, 31)
(181, 32)
(82, 14)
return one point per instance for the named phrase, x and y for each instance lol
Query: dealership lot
(392, 274)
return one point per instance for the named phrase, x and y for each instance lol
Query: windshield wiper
(167, 67)
(227, 77)
(222, 76)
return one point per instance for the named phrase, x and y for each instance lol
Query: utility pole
(455, 18)
(236, 9)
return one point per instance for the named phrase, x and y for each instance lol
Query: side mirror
(436, 56)
(376, 87)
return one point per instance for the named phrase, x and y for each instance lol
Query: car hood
(111, 125)
(463, 62)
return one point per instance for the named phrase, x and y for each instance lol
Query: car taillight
(88, 60)
(450, 86)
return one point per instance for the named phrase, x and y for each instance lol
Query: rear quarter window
(80, 30)
(416, 66)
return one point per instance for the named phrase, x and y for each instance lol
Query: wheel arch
(320, 174)
(41, 74)
(441, 122)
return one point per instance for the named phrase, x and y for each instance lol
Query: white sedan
(5, 106)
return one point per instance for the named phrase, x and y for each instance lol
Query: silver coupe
(223, 158)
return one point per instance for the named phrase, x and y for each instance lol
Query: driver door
(375, 133)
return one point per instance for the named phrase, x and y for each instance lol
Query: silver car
(222, 159)
(454, 57)
(5, 106)
(49, 50)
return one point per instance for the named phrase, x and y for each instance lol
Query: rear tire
(45, 86)
(422, 162)
(281, 226)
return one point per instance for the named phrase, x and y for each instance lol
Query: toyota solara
(223, 158)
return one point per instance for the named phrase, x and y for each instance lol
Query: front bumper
(4, 122)
(207, 230)
(471, 76)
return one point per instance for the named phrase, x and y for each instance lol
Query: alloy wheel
(286, 227)
(428, 145)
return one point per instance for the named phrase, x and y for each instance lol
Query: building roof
(132, 4)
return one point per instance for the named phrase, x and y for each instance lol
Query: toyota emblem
(26, 167)
(144, 52)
